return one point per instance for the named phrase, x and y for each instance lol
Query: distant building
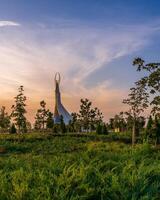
(117, 130)
(59, 110)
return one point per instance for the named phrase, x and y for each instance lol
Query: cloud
(8, 23)
(31, 56)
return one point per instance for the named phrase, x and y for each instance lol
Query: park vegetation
(144, 94)
(87, 158)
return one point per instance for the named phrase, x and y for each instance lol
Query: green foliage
(49, 121)
(19, 111)
(4, 118)
(13, 129)
(62, 125)
(156, 130)
(74, 124)
(56, 128)
(68, 167)
(137, 101)
(118, 121)
(151, 81)
(149, 126)
(99, 129)
(104, 130)
(86, 113)
(87, 118)
(152, 132)
(42, 117)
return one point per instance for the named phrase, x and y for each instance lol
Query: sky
(92, 43)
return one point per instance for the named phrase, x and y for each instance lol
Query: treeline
(144, 95)
(88, 119)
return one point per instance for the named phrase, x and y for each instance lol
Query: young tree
(19, 111)
(96, 117)
(49, 121)
(149, 123)
(141, 121)
(13, 129)
(41, 116)
(151, 81)
(37, 124)
(149, 127)
(111, 124)
(56, 128)
(153, 129)
(29, 126)
(104, 129)
(4, 119)
(119, 122)
(138, 102)
(62, 125)
(99, 129)
(75, 123)
(85, 113)
(89, 117)
(157, 130)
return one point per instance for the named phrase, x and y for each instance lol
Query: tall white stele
(59, 108)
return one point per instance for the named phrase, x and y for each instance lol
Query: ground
(45, 166)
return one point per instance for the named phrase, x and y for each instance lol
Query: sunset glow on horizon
(91, 45)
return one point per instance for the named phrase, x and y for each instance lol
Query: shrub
(104, 130)
(13, 129)
(99, 129)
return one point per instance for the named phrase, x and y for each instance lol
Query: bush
(104, 130)
(13, 129)
(99, 129)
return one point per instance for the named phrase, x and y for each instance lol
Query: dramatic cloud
(8, 23)
(31, 56)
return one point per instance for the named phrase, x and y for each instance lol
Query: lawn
(44, 166)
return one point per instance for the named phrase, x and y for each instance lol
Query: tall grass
(62, 168)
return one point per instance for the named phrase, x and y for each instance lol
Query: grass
(43, 166)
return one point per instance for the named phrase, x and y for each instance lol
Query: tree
(140, 123)
(13, 129)
(41, 116)
(4, 119)
(72, 125)
(119, 122)
(111, 123)
(75, 123)
(89, 117)
(104, 129)
(37, 124)
(19, 111)
(157, 130)
(151, 81)
(85, 113)
(29, 126)
(138, 102)
(149, 127)
(97, 116)
(129, 120)
(62, 125)
(99, 129)
(149, 123)
(49, 121)
(56, 128)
